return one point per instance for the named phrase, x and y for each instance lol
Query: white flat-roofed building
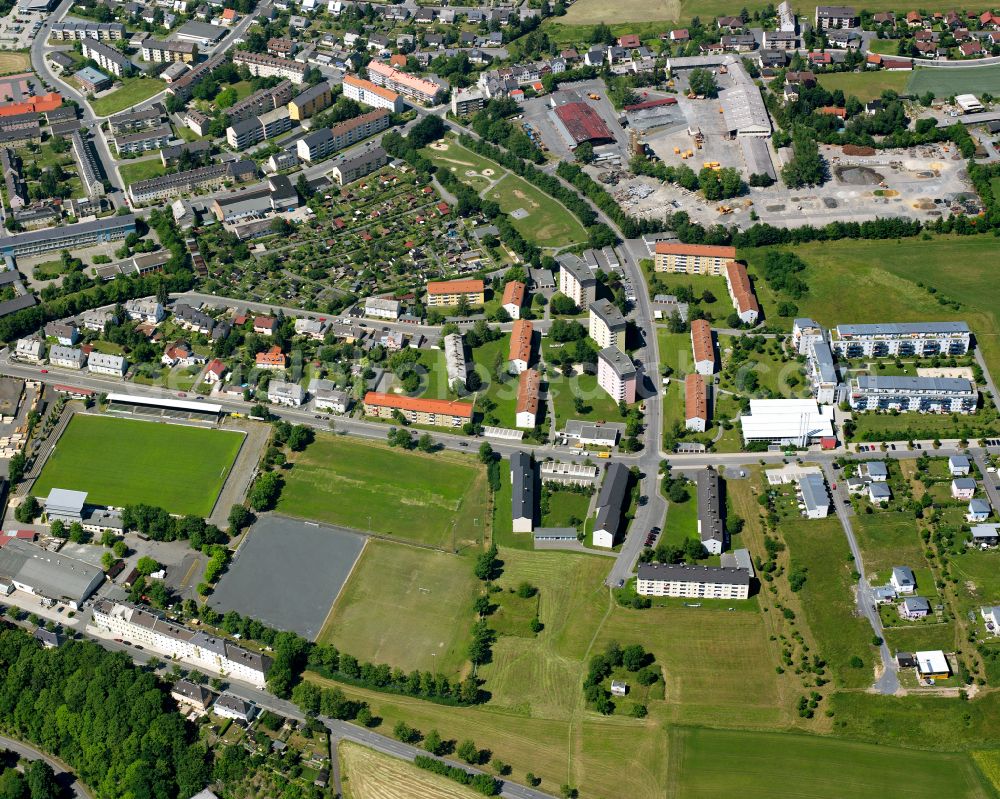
(382, 308)
(102, 364)
(787, 421)
(919, 394)
(694, 582)
(454, 358)
(933, 664)
(969, 103)
(155, 632)
(900, 339)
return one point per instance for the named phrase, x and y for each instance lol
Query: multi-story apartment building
(132, 121)
(171, 640)
(513, 298)
(68, 237)
(67, 357)
(741, 293)
(823, 374)
(311, 101)
(805, 333)
(901, 339)
(694, 582)
(143, 140)
(368, 93)
(146, 309)
(528, 387)
(351, 131)
(249, 132)
(692, 259)
(165, 52)
(205, 177)
(102, 364)
(78, 31)
(382, 308)
(836, 17)
(260, 102)
(921, 394)
(447, 293)
(711, 530)
(616, 374)
(577, 281)
(107, 58)
(413, 87)
(466, 102)
(519, 355)
(348, 168)
(86, 165)
(184, 85)
(695, 403)
(702, 347)
(266, 66)
(438, 413)
(607, 325)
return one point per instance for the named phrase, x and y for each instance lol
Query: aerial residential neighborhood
(534, 400)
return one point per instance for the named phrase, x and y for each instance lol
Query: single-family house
(963, 488)
(902, 580)
(215, 372)
(65, 333)
(879, 492)
(985, 536)
(264, 325)
(979, 510)
(958, 466)
(914, 607)
(874, 471)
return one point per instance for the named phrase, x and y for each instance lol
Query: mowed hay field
(406, 606)
(126, 462)
(713, 763)
(949, 82)
(11, 62)
(959, 268)
(407, 495)
(367, 774)
(865, 86)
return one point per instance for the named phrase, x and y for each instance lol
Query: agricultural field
(407, 495)
(865, 86)
(958, 269)
(405, 606)
(131, 92)
(126, 462)
(367, 774)
(534, 214)
(949, 82)
(712, 763)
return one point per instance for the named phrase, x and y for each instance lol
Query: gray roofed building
(958, 465)
(914, 607)
(348, 168)
(738, 559)
(233, 707)
(200, 32)
(100, 363)
(47, 638)
(681, 580)
(879, 492)
(814, 496)
(26, 567)
(610, 505)
(906, 384)
(711, 529)
(69, 237)
(902, 579)
(192, 694)
(522, 481)
(65, 504)
(875, 471)
(979, 510)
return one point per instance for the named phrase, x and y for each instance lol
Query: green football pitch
(126, 462)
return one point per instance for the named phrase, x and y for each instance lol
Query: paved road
(888, 681)
(31, 753)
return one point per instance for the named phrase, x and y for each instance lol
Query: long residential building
(184, 85)
(152, 630)
(205, 177)
(741, 293)
(439, 413)
(260, 102)
(528, 389)
(692, 259)
(692, 582)
(17, 191)
(921, 394)
(823, 374)
(88, 171)
(144, 140)
(68, 237)
(901, 339)
(411, 86)
(354, 166)
(78, 31)
(108, 58)
(711, 528)
(695, 403)
(448, 293)
(351, 131)
(611, 504)
(702, 347)
(522, 482)
(519, 354)
(454, 358)
(368, 93)
(607, 325)
(311, 101)
(133, 121)
(252, 131)
(166, 52)
(266, 66)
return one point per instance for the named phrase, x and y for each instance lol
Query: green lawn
(821, 547)
(772, 373)
(597, 403)
(408, 495)
(124, 461)
(949, 82)
(548, 223)
(883, 47)
(564, 506)
(132, 91)
(141, 170)
(405, 606)
(490, 361)
(867, 85)
(714, 763)
(682, 520)
(958, 268)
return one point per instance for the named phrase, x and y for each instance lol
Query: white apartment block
(31, 350)
(607, 325)
(367, 93)
(101, 364)
(920, 394)
(902, 339)
(577, 281)
(694, 582)
(616, 374)
(171, 640)
(805, 333)
(67, 357)
(381, 308)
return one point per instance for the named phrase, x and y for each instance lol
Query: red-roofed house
(820, 59)
(265, 325)
(971, 48)
(274, 358)
(440, 413)
(228, 16)
(513, 298)
(215, 372)
(629, 41)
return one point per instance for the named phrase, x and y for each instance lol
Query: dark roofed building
(610, 505)
(522, 481)
(579, 123)
(710, 504)
(696, 582)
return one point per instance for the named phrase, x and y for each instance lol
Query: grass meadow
(865, 86)
(132, 91)
(125, 462)
(407, 495)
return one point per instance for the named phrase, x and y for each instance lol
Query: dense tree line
(159, 525)
(481, 783)
(112, 723)
(715, 184)
(781, 270)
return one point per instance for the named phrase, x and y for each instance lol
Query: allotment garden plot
(426, 499)
(124, 462)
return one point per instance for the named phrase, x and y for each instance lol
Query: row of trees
(714, 184)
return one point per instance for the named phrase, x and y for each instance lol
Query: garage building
(577, 123)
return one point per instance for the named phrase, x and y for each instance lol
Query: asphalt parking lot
(287, 573)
